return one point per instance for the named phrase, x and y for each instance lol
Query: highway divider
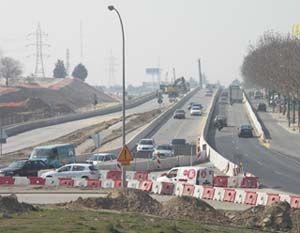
(254, 119)
(27, 126)
(221, 163)
(152, 127)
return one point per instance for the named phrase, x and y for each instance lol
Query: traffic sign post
(124, 158)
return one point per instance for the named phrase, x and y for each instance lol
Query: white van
(191, 175)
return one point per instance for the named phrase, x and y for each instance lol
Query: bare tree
(10, 68)
(274, 63)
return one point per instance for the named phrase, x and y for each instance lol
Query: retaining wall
(27, 126)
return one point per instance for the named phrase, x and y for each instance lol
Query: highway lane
(275, 170)
(37, 136)
(282, 140)
(188, 128)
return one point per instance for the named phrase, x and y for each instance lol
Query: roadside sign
(3, 136)
(159, 100)
(97, 140)
(125, 156)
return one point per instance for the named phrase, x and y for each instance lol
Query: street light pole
(112, 8)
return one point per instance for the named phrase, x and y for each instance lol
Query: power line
(39, 35)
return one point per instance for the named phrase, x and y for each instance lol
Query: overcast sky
(172, 33)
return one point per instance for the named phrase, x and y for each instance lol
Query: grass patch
(62, 220)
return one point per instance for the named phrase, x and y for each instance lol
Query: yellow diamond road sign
(125, 156)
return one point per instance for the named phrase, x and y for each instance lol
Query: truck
(235, 94)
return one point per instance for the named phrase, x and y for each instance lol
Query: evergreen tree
(59, 70)
(80, 72)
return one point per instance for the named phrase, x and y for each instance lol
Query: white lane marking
(260, 163)
(278, 173)
(246, 155)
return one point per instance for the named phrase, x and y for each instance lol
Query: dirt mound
(131, 200)
(192, 208)
(272, 218)
(11, 205)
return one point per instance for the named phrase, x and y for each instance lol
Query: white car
(163, 150)
(146, 145)
(196, 111)
(74, 170)
(99, 158)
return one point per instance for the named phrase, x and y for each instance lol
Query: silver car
(74, 170)
(99, 158)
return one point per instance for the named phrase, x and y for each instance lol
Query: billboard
(153, 71)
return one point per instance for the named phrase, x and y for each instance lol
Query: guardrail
(23, 127)
(254, 119)
(221, 163)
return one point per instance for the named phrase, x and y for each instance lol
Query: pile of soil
(131, 200)
(276, 217)
(11, 205)
(192, 208)
(295, 215)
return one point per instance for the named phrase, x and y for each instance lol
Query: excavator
(180, 86)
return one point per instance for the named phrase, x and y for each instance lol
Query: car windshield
(17, 164)
(178, 141)
(41, 153)
(246, 127)
(164, 147)
(179, 111)
(196, 108)
(146, 142)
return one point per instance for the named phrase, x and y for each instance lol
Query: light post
(112, 8)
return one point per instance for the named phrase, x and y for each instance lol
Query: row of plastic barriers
(234, 195)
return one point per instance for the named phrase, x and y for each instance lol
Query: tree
(59, 70)
(10, 68)
(80, 72)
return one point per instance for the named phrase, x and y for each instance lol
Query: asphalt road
(37, 136)
(274, 169)
(282, 140)
(188, 128)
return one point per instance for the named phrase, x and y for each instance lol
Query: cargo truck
(235, 94)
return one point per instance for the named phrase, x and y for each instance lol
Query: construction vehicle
(180, 86)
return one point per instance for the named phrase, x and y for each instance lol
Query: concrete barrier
(221, 163)
(254, 119)
(27, 126)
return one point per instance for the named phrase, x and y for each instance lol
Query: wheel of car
(48, 176)
(84, 177)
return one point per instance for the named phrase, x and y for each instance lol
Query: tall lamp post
(112, 8)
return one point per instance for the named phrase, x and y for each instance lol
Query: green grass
(60, 220)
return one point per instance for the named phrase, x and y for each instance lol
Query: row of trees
(274, 63)
(60, 71)
(11, 68)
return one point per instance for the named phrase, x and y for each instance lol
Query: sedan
(179, 114)
(97, 159)
(196, 111)
(163, 150)
(245, 131)
(24, 168)
(75, 170)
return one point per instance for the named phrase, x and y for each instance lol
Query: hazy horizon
(170, 33)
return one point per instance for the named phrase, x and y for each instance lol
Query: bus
(54, 155)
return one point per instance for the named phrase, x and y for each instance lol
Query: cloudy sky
(172, 33)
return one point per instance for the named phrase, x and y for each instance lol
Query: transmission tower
(39, 35)
(111, 69)
(68, 62)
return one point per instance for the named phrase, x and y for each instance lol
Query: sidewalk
(284, 140)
